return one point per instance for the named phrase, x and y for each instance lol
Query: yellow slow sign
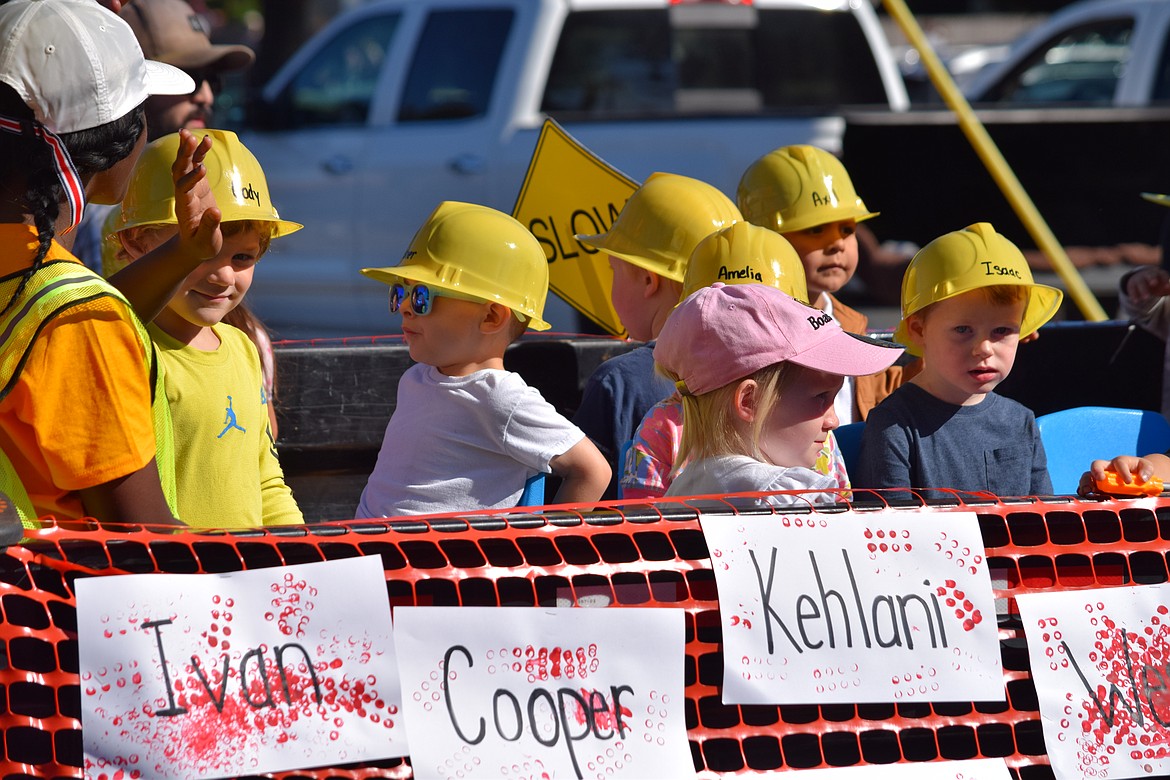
(569, 191)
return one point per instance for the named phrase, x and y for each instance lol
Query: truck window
(1161, 92)
(1083, 65)
(709, 59)
(336, 86)
(455, 64)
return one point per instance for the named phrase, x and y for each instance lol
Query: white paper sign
(1101, 665)
(265, 670)
(882, 607)
(530, 693)
(977, 769)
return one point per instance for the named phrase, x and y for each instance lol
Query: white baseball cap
(78, 65)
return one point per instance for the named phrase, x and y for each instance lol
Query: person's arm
(1143, 299)
(152, 280)
(646, 473)
(584, 471)
(135, 498)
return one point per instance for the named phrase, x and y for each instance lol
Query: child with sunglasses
(466, 434)
(227, 471)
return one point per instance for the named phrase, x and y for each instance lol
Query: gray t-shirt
(913, 439)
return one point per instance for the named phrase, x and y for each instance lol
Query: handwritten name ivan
(838, 614)
(253, 667)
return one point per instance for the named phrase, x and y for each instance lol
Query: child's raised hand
(1146, 283)
(195, 207)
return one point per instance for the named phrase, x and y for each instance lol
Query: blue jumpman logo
(230, 420)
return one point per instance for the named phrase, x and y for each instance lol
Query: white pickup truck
(399, 104)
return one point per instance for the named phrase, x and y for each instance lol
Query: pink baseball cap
(77, 64)
(723, 333)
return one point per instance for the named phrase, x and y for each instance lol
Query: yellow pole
(993, 160)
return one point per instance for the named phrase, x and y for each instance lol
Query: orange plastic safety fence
(632, 556)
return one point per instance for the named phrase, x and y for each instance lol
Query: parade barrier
(646, 555)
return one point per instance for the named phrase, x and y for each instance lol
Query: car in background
(399, 104)
(1094, 53)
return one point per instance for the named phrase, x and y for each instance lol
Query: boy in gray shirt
(967, 300)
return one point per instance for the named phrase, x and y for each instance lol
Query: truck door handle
(338, 164)
(467, 164)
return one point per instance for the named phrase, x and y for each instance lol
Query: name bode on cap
(747, 272)
(817, 322)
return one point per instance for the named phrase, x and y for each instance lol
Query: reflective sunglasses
(204, 74)
(421, 297)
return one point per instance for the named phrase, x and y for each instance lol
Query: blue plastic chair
(533, 494)
(1073, 438)
(849, 443)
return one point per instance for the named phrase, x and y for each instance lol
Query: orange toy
(1113, 485)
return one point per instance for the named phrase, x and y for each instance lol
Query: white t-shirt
(741, 474)
(463, 443)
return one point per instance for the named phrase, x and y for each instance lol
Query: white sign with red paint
(1101, 665)
(882, 607)
(975, 769)
(213, 675)
(531, 693)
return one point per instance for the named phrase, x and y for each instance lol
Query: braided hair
(28, 176)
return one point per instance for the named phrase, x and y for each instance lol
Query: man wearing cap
(169, 31)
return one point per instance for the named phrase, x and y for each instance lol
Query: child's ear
(745, 399)
(914, 328)
(651, 283)
(496, 318)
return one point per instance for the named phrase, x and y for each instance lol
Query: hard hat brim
(604, 243)
(809, 221)
(1043, 303)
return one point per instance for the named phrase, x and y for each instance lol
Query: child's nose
(831, 420)
(224, 274)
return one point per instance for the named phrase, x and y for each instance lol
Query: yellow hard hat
(663, 221)
(478, 252)
(746, 254)
(236, 179)
(798, 187)
(966, 260)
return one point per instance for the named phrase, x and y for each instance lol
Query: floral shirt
(650, 458)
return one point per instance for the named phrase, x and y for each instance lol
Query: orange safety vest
(57, 286)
